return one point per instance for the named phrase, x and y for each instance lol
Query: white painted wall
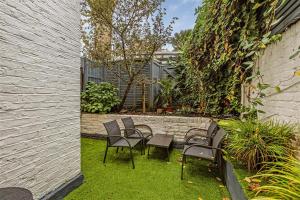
(278, 70)
(39, 94)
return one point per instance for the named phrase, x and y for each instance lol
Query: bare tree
(126, 32)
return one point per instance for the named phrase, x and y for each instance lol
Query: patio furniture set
(196, 143)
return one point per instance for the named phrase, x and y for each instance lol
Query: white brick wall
(172, 125)
(39, 94)
(278, 69)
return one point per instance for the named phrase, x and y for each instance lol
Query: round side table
(15, 193)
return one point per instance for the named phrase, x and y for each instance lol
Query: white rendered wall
(278, 69)
(39, 94)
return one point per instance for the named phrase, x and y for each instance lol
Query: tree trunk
(144, 97)
(125, 94)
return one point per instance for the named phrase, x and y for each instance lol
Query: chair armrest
(145, 126)
(133, 129)
(200, 145)
(119, 136)
(194, 129)
(197, 135)
(149, 136)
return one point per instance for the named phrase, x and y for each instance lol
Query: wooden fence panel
(93, 71)
(287, 14)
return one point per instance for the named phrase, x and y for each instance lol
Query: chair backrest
(212, 129)
(218, 139)
(128, 124)
(112, 128)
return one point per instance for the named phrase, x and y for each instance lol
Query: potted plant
(167, 91)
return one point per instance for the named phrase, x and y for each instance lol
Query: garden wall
(39, 94)
(279, 69)
(280, 66)
(172, 125)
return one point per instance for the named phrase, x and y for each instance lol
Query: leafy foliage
(167, 92)
(281, 180)
(179, 39)
(253, 142)
(186, 95)
(224, 44)
(99, 98)
(135, 29)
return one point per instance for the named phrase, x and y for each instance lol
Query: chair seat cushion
(123, 143)
(198, 152)
(136, 135)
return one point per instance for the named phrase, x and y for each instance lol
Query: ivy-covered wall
(221, 53)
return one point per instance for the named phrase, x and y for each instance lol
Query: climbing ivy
(222, 49)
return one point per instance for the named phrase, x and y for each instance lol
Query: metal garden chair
(201, 136)
(204, 151)
(131, 130)
(115, 139)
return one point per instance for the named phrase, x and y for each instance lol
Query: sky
(184, 10)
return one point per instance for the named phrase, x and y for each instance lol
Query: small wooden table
(161, 141)
(15, 193)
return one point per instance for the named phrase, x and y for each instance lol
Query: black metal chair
(115, 139)
(204, 151)
(200, 135)
(132, 130)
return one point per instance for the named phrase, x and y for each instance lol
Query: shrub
(99, 98)
(253, 142)
(167, 92)
(282, 180)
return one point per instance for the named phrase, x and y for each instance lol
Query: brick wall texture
(39, 94)
(172, 125)
(278, 70)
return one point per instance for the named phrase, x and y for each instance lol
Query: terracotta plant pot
(159, 110)
(169, 109)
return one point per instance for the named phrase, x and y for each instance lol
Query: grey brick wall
(39, 94)
(278, 70)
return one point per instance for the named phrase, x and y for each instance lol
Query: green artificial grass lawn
(152, 179)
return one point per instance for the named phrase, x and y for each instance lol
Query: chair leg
(148, 151)
(132, 159)
(144, 143)
(141, 147)
(122, 149)
(168, 154)
(105, 154)
(182, 164)
(117, 149)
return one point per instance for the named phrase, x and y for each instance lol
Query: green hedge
(99, 98)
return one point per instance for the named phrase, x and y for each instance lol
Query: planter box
(234, 187)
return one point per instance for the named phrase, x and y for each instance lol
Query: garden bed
(176, 114)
